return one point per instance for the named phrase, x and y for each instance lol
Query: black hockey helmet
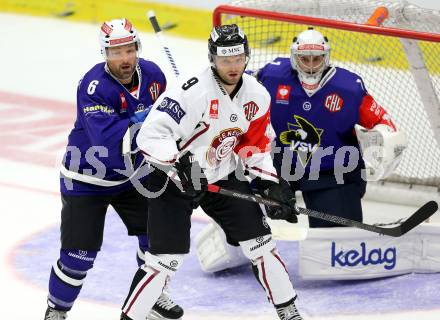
(227, 40)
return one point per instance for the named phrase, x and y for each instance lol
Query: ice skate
(53, 314)
(288, 311)
(164, 309)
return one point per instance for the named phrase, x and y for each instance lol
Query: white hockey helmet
(118, 32)
(310, 43)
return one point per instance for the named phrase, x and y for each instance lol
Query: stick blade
(422, 214)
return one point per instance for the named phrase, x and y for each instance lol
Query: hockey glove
(191, 175)
(282, 193)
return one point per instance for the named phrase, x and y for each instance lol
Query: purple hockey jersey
(101, 153)
(320, 126)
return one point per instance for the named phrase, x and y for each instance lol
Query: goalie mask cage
(399, 62)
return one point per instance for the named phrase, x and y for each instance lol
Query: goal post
(398, 61)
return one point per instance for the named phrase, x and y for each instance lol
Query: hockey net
(399, 62)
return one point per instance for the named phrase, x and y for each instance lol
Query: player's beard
(230, 81)
(123, 72)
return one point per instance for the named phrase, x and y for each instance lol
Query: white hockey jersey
(200, 117)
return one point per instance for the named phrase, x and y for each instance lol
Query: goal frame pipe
(335, 24)
(321, 22)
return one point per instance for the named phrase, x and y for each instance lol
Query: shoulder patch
(250, 110)
(154, 90)
(172, 108)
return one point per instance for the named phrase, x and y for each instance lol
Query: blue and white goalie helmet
(118, 32)
(310, 56)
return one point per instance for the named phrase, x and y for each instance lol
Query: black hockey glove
(282, 193)
(191, 175)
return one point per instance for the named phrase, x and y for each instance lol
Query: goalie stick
(153, 20)
(423, 213)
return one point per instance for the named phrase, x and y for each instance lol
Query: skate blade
(153, 315)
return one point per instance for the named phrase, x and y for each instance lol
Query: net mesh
(379, 59)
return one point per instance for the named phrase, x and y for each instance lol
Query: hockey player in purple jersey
(321, 114)
(102, 166)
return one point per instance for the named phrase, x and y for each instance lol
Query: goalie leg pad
(67, 277)
(148, 283)
(269, 269)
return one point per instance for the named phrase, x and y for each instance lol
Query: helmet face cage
(227, 40)
(310, 63)
(305, 49)
(118, 32)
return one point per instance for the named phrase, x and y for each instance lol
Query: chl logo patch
(283, 94)
(250, 110)
(222, 145)
(303, 138)
(333, 102)
(154, 90)
(172, 108)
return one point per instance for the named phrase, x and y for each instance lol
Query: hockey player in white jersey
(201, 132)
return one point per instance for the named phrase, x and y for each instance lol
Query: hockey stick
(153, 20)
(423, 213)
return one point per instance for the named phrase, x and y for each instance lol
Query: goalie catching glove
(282, 193)
(381, 148)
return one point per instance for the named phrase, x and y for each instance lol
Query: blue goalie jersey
(317, 130)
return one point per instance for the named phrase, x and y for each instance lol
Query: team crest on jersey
(213, 109)
(333, 102)
(154, 90)
(250, 110)
(123, 102)
(303, 137)
(283, 94)
(222, 145)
